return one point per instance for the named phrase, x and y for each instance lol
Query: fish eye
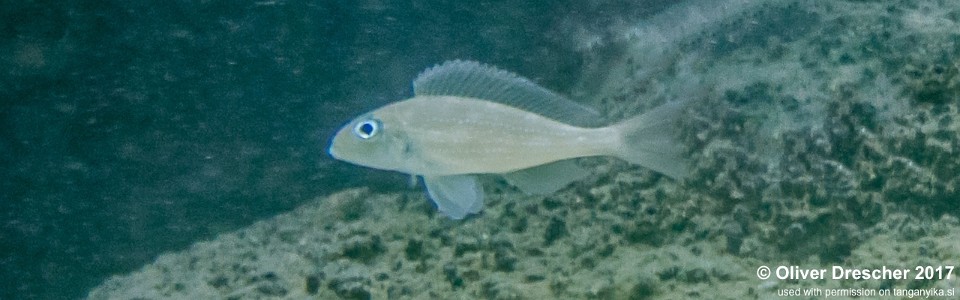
(367, 129)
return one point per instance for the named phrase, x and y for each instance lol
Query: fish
(468, 119)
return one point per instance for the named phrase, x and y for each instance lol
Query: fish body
(468, 118)
(450, 135)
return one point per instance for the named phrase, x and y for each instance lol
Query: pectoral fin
(455, 195)
(546, 179)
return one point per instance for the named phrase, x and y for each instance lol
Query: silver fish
(468, 118)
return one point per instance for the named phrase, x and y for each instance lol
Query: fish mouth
(333, 152)
(331, 149)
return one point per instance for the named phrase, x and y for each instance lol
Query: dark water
(130, 128)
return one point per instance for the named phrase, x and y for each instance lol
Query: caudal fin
(650, 140)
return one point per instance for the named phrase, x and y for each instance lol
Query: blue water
(131, 128)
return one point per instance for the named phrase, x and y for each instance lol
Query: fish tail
(650, 140)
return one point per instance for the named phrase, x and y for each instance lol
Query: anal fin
(547, 178)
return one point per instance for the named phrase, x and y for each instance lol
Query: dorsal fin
(476, 80)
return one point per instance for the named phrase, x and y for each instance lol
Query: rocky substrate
(822, 134)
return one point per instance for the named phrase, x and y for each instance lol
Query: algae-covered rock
(811, 148)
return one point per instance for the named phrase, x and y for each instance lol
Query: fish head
(369, 142)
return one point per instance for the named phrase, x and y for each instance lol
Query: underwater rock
(414, 249)
(645, 287)
(555, 230)
(362, 247)
(734, 234)
(504, 260)
(933, 83)
(465, 245)
(350, 288)
(450, 272)
(812, 155)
